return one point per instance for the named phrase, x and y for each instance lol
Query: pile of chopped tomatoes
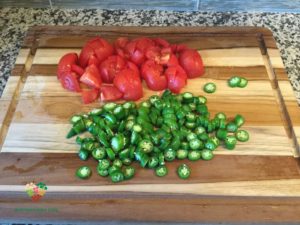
(115, 71)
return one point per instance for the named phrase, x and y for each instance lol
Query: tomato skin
(121, 42)
(97, 47)
(135, 50)
(129, 84)
(69, 81)
(177, 78)
(89, 96)
(192, 63)
(133, 67)
(110, 67)
(91, 77)
(163, 56)
(77, 69)
(152, 73)
(110, 93)
(93, 60)
(65, 63)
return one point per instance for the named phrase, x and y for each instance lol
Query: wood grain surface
(36, 109)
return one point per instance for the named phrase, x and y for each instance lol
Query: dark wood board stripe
(54, 34)
(59, 169)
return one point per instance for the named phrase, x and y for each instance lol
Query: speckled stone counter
(15, 21)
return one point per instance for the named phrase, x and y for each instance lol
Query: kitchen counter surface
(14, 23)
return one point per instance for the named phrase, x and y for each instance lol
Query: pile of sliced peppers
(158, 130)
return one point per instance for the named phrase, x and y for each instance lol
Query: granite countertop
(15, 21)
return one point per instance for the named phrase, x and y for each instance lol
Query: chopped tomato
(91, 77)
(121, 42)
(110, 67)
(89, 96)
(98, 47)
(65, 63)
(177, 78)
(77, 69)
(152, 73)
(133, 67)
(135, 50)
(163, 56)
(69, 81)
(93, 60)
(129, 84)
(110, 93)
(192, 63)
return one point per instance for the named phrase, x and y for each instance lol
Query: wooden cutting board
(258, 181)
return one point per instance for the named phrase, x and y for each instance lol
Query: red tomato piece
(89, 96)
(192, 63)
(69, 81)
(135, 50)
(91, 77)
(163, 56)
(98, 47)
(129, 84)
(110, 93)
(65, 63)
(177, 78)
(77, 69)
(121, 42)
(133, 67)
(153, 75)
(93, 60)
(110, 67)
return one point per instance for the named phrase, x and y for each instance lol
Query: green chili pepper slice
(170, 154)
(117, 142)
(194, 155)
(103, 173)
(242, 135)
(234, 81)
(210, 88)
(182, 154)
(117, 163)
(103, 164)
(83, 172)
(210, 145)
(83, 154)
(153, 162)
(243, 83)
(146, 146)
(230, 142)
(231, 127)
(161, 171)
(207, 154)
(99, 153)
(117, 176)
(183, 171)
(128, 172)
(239, 120)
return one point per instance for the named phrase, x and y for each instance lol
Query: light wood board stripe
(265, 140)
(23, 55)
(49, 86)
(10, 88)
(272, 188)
